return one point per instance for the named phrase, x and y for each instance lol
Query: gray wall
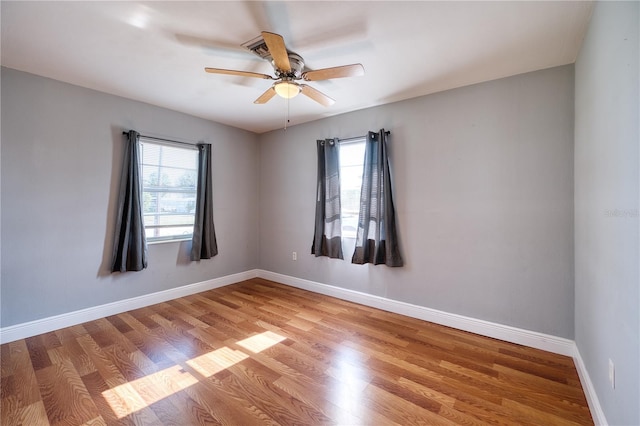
(61, 162)
(483, 181)
(484, 196)
(607, 313)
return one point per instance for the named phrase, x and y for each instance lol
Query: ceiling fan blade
(354, 70)
(316, 95)
(266, 96)
(278, 50)
(238, 73)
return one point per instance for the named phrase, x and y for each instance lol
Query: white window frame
(149, 191)
(349, 214)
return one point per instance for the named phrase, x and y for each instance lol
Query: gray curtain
(377, 238)
(130, 244)
(327, 239)
(204, 245)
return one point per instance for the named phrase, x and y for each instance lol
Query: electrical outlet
(294, 256)
(612, 374)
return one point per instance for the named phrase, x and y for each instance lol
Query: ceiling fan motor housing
(297, 65)
(259, 47)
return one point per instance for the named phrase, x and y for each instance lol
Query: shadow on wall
(117, 157)
(184, 253)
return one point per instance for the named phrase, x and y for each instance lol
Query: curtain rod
(357, 138)
(193, 145)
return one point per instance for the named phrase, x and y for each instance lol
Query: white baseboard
(589, 391)
(507, 333)
(45, 325)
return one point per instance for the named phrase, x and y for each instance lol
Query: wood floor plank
(227, 406)
(64, 395)
(280, 406)
(109, 371)
(400, 410)
(25, 387)
(73, 352)
(96, 386)
(38, 352)
(331, 413)
(260, 352)
(13, 413)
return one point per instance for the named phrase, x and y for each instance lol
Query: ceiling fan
(289, 69)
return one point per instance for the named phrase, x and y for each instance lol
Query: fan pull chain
(286, 118)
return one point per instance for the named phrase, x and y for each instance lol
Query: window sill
(172, 240)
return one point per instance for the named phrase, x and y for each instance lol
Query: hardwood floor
(259, 352)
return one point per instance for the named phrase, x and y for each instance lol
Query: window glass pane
(169, 177)
(351, 163)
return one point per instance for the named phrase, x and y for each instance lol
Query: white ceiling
(156, 52)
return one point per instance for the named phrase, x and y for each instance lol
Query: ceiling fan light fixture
(288, 69)
(287, 89)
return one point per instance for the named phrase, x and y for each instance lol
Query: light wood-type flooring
(259, 352)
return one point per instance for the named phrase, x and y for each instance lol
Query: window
(169, 179)
(351, 164)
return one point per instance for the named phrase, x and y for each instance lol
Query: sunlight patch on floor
(140, 393)
(216, 361)
(261, 341)
(133, 396)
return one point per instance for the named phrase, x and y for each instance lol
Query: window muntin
(169, 179)
(351, 165)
